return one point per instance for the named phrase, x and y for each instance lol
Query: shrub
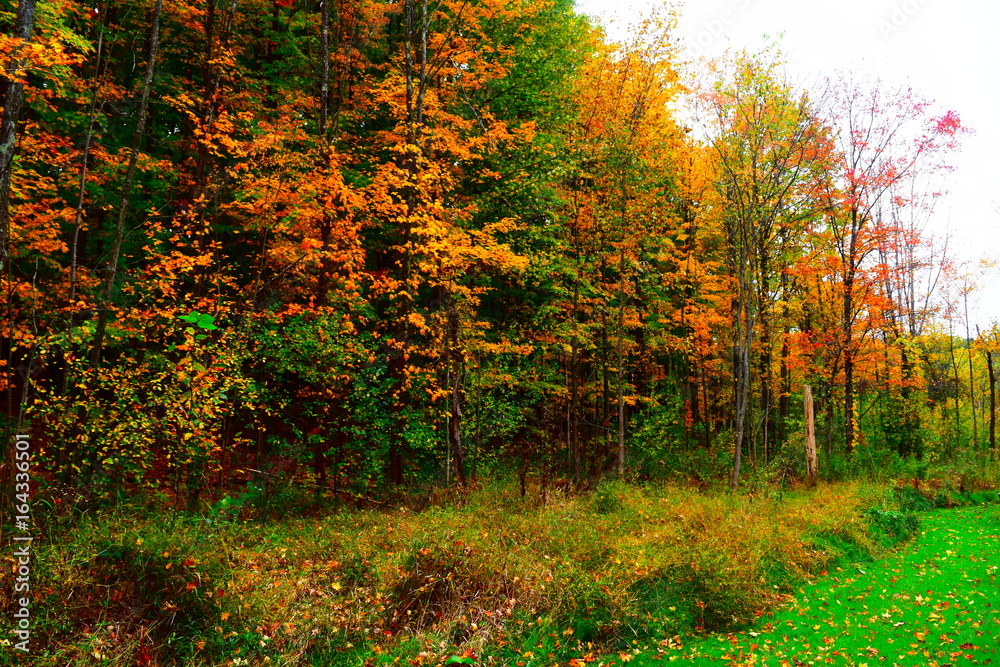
(607, 497)
(891, 526)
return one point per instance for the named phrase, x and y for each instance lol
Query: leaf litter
(935, 603)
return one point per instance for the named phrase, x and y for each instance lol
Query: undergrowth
(485, 576)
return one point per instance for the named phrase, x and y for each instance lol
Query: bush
(891, 527)
(937, 494)
(607, 498)
(910, 499)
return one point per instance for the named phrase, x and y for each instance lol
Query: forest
(320, 260)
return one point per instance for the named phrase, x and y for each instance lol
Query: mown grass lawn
(935, 603)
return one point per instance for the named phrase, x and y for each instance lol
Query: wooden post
(811, 461)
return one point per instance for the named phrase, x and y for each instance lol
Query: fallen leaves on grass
(934, 603)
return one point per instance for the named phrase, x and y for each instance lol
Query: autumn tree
(13, 96)
(883, 138)
(768, 149)
(989, 345)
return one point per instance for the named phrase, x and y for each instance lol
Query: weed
(486, 573)
(607, 498)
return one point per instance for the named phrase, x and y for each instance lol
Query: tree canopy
(369, 246)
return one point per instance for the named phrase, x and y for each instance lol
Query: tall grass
(486, 573)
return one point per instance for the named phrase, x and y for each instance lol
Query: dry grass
(471, 575)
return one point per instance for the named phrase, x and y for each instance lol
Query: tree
(883, 138)
(13, 96)
(768, 149)
(111, 270)
(989, 344)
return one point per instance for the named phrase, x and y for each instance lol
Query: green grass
(487, 576)
(935, 603)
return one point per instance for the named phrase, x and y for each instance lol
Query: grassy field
(626, 573)
(936, 603)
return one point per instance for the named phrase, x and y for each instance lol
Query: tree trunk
(810, 418)
(414, 50)
(319, 465)
(573, 423)
(972, 385)
(848, 364)
(993, 401)
(785, 378)
(742, 362)
(455, 422)
(85, 162)
(621, 363)
(140, 129)
(743, 319)
(605, 418)
(741, 368)
(621, 396)
(765, 370)
(766, 397)
(705, 405)
(324, 77)
(829, 420)
(478, 438)
(23, 27)
(958, 386)
(573, 436)
(326, 226)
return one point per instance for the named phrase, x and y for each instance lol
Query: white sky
(947, 50)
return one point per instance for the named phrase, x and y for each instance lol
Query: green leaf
(456, 660)
(200, 320)
(207, 322)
